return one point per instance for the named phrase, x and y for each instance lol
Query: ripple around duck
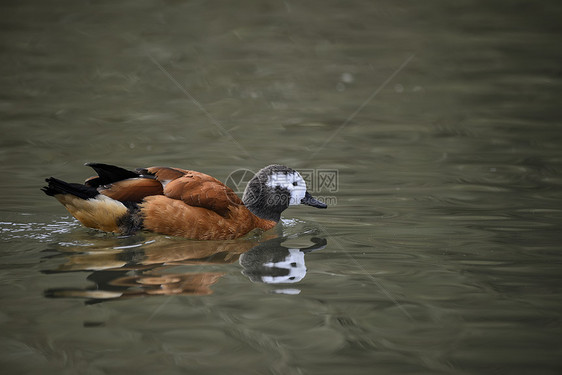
(43, 232)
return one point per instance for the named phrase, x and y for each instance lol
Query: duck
(179, 202)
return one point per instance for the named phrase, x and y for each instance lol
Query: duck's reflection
(273, 263)
(151, 268)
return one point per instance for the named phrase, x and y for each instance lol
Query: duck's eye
(295, 183)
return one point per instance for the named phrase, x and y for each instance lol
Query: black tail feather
(56, 186)
(108, 174)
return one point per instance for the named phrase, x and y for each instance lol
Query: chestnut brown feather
(166, 173)
(200, 190)
(132, 189)
(176, 218)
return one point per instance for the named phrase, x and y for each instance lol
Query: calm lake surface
(432, 129)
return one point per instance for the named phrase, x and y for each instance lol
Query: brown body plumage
(173, 201)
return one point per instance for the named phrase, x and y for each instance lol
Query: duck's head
(273, 189)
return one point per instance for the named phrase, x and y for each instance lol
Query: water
(433, 129)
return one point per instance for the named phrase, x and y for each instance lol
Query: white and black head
(273, 189)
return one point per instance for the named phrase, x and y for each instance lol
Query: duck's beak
(309, 200)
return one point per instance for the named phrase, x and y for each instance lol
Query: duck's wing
(193, 188)
(196, 189)
(132, 190)
(108, 174)
(122, 184)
